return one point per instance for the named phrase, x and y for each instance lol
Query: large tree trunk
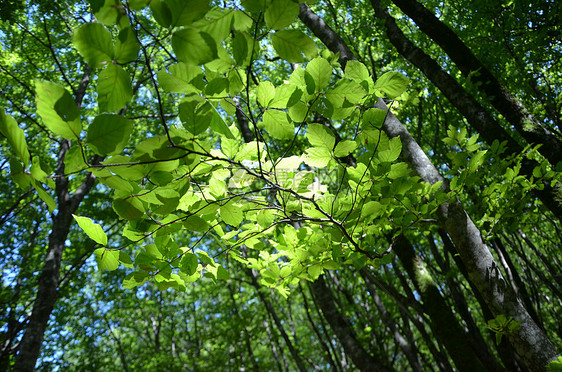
(469, 65)
(47, 292)
(489, 129)
(529, 340)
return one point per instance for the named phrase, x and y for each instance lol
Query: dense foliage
(268, 185)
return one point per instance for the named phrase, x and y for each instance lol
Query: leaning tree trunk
(530, 342)
(469, 65)
(480, 119)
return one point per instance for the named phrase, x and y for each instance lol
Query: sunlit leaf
(93, 42)
(15, 136)
(114, 88)
(293, 44)
(107, 259)
(93, 230)
(52, 102)
(392, 84)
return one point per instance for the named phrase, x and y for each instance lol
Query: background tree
(244, 196)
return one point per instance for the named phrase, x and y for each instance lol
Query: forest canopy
(267, 185)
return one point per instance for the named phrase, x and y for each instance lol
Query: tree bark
(408, 348)
(271, 310)
(530, 342)
(513, 110)
(477, 116)
(343, 329)
(47, 292)
(443, 322)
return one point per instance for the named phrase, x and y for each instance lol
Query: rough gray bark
(513, 110)
(331, 39)
(47, 292)
(530, 342)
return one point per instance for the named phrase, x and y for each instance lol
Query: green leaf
(373, 118)
(196, 223)
(222, 273)
(117, 183)
(66, 107)
(127, 48)
(278, 124)
(184, 78)
(51, 204)
(74, 160)
(356, 70)
(371, 209)
(127, 172)
(138, 4)
(255, 5)
(281, 13)
(292, 44)
(217, 23)
(161, 12)
(346, 93)
(321, 72)
(344, 148)
(320, 136)
(108, 12)
(555, 365)
(184, 12)
(196, 115)
(298, 112)
(94, 43)
(265, 218)
(231, 214)
(318, 157)
(286, 95)
(135, 279)
(36, 171)
(241, 21)
(242, 45)
(314, 271)
(392, 84)
(216, 86)
(93, 230)
(107, 259)
(129, 209)
(52, 99)
(265, 93)
(189, 263)
(218, 124)
(477, 160)
(398, 170)
(108, 134)
(390, 155)
(194, 47)
(15, 136)
(114, 88)
(125, 259)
